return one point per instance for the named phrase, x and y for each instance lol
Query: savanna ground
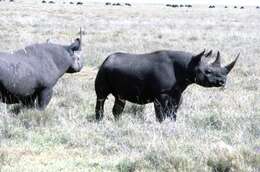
(216, 130)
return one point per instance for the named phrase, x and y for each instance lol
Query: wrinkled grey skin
(159, 77)
(28, 75)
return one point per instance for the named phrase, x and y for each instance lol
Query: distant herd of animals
(128, 4)
(176, 5)
(52, 2)
(81, 3)
(118, 4)
(6, 0)
(28, 75)
(241, 7)
(210, 6)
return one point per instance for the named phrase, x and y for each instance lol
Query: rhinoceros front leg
(44, 98)
(174, 102)
(29, 102)
(165, 106)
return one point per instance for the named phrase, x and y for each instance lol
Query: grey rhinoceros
(28, 75)
(159, 77)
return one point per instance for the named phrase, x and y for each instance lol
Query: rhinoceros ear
(208, 54)
(197, 58)
(75, 46)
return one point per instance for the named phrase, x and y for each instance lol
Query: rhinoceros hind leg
(118, 108)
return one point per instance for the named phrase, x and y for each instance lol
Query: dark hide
(29, 74)
(159, 77)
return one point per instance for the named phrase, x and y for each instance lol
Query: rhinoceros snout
(77, 64)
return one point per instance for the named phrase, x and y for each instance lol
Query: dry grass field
(216, 130)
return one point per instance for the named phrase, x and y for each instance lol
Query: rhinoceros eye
(208, 71)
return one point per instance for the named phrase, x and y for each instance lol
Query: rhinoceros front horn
(80, 39)
(216, 63)
(229, 67)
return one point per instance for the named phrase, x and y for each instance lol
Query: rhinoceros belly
(135, 92)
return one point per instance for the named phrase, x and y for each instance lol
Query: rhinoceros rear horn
(80, 39)
(76, 45)
(229, 67)
(216, 63)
